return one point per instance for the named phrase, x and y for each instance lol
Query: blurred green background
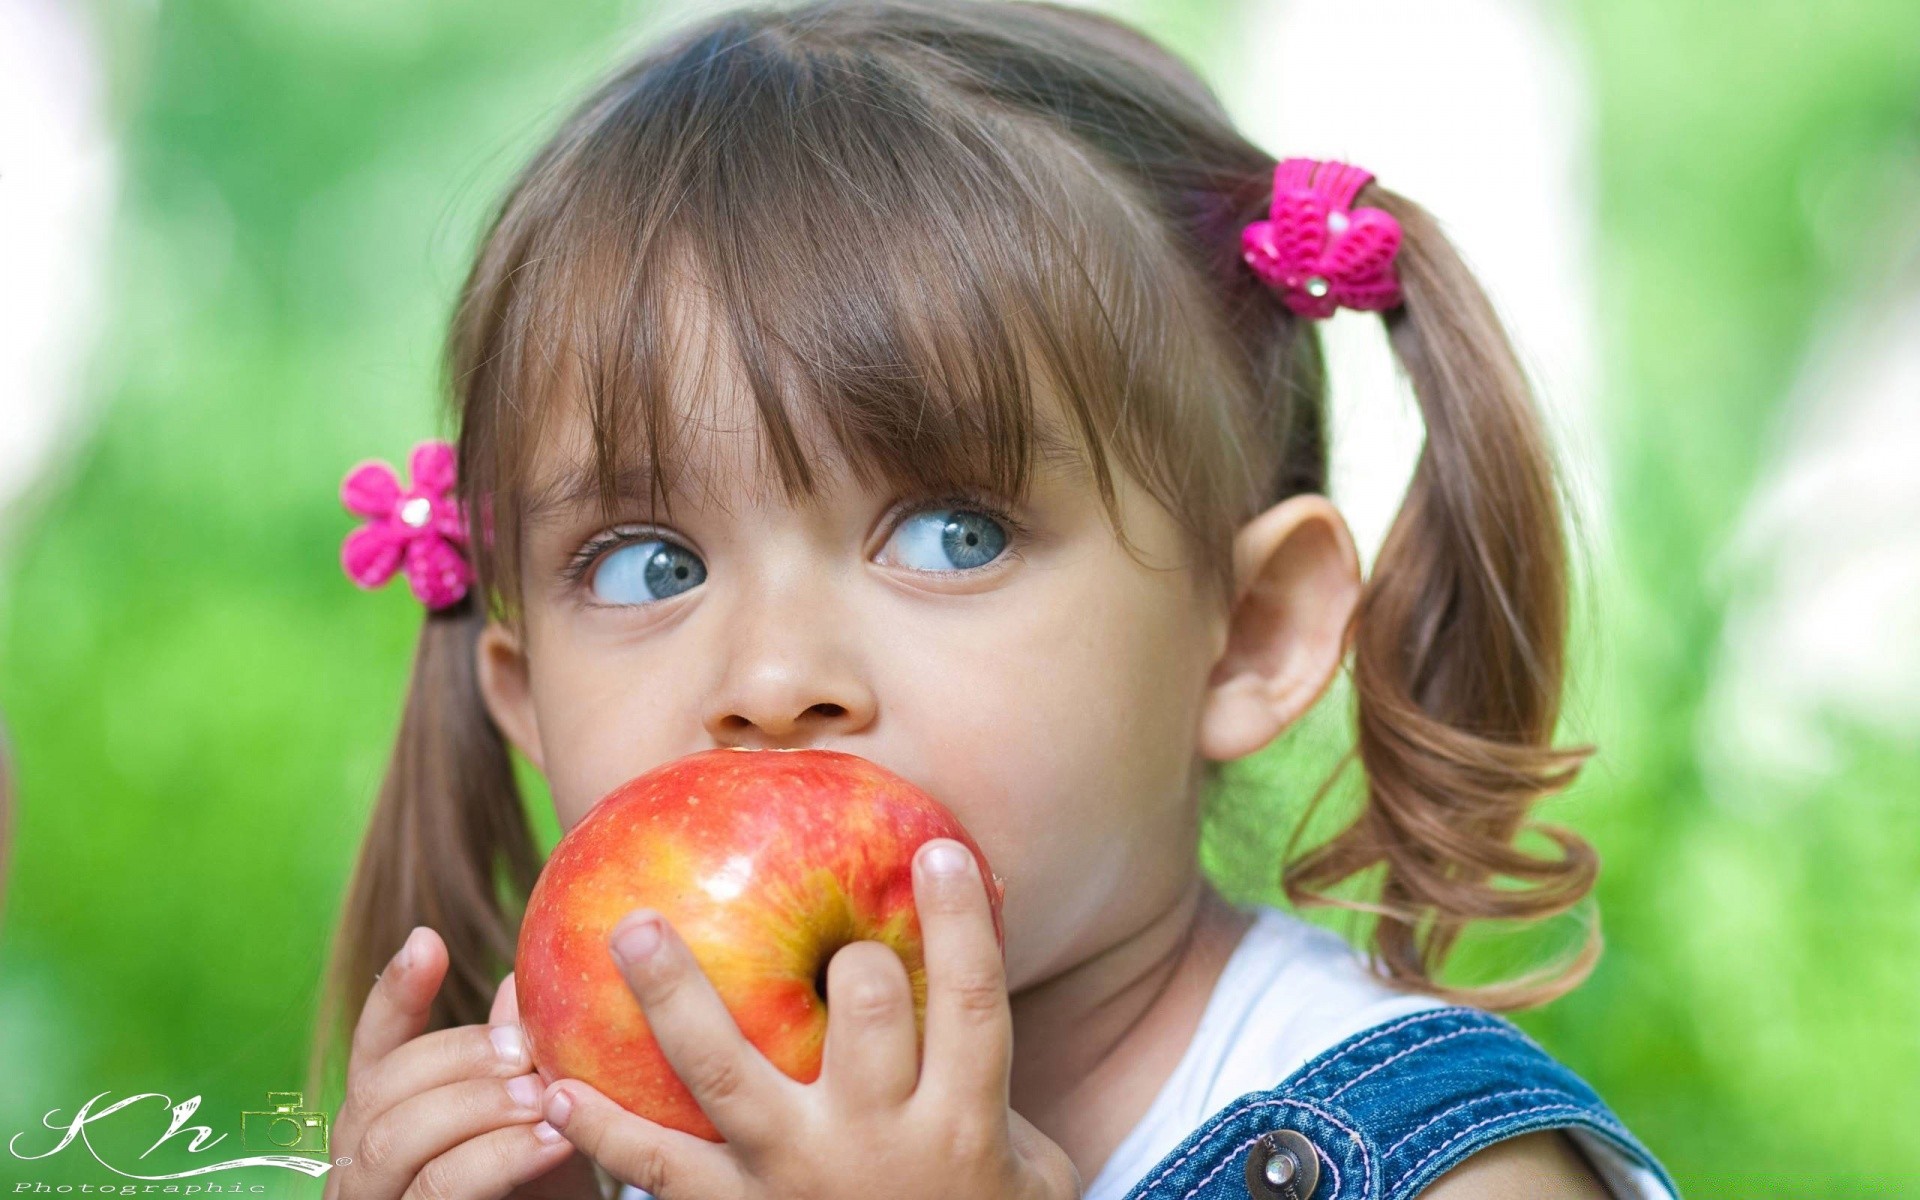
(200, 705)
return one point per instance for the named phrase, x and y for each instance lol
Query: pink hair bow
(1316, 251)
(421, 526)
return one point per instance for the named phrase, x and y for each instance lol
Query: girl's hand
(574, 1178)
(875, 1123)
(448, 1115)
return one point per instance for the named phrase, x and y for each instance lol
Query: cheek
(604, 718)
(1063, 738)
(1091, 686)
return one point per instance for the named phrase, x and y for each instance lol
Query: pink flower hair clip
(422, 526)
(1318, 253)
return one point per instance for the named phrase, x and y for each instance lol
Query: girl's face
(1036, 679)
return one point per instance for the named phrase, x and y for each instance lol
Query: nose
(789, 676)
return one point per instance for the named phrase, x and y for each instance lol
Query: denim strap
(1393, 1107)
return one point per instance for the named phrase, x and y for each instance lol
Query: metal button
(1282, 1165)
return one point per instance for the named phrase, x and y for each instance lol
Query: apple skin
(765, 862)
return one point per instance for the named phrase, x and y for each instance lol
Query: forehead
(723, 462)
(713, 438)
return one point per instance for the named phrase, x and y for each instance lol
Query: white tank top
(1290, 990)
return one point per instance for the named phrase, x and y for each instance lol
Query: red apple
(765, 862)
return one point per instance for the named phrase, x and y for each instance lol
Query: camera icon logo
(287, 1127)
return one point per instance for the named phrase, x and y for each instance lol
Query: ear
(1296, 585)
(501, 664)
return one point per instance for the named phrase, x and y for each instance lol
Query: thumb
(506, 1004)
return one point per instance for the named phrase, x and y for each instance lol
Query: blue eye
(950, 534)
(643, 572)
(961, 538)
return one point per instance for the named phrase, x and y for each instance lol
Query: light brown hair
(900, 211)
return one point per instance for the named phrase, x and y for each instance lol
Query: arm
(1542, 1165)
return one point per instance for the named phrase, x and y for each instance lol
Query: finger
(398, 1144)
(872, 1057)
(397, 1006)
(506, 1003)
(667, 1163)
(574, 1178)
(492, 1165)
(433, 1060)
(969, 1050)
(746, 1097)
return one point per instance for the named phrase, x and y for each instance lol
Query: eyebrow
(577, 486)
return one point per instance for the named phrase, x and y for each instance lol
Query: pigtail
(1458, 654)
(448, 846)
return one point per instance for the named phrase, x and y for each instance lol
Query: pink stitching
(1332, 1171)
(1426, 1015)
(1417, 1046)
(1415, 1169)
(1456, 1108)
(1225, 1118)
(1246, 1108)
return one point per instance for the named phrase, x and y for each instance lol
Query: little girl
(940, 382)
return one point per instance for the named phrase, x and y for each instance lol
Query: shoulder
(1459, 1091)
(1451, 1101)
(1528, 1166)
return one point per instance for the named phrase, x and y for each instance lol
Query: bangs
(910, 282)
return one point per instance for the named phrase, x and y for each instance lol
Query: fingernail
(509, 1044)
(945, 858)
(403, 957)
(525, 1090)
(559, 1108)
(635, 942)
(546, 1132)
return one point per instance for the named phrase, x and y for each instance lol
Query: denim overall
(1384, 1113)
